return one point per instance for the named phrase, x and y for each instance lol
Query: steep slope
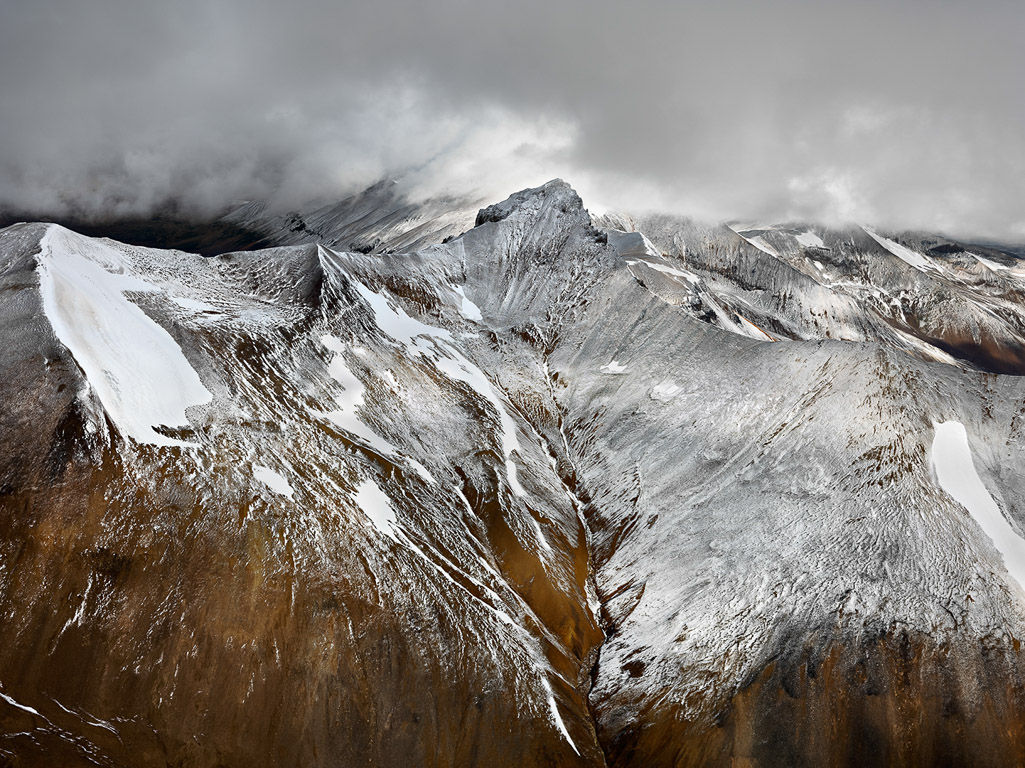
(542, 494)
(353, 517)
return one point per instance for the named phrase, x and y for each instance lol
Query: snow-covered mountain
(555, 491)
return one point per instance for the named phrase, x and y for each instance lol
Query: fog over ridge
(904, 114)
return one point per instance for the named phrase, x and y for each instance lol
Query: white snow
(666, 391)
(759, 242)
(750, 329)
(459, 368)
(613, 367)
(273, 480)
(377, 506)
(467, 308)
(394, 321)
(448, 360)
(22, 707)
(197, 306)
(663, 267)
(916, 260)
(541, 538)
(989, 264)
(136, 369)
(350, 399)
(553, 709)
(951, 458)
(810, 240)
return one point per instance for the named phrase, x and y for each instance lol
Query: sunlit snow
(916, 260)
(612, 367)
(377, 506)
(952, 460)
(467, 308)
(136, 369)
(273, 480)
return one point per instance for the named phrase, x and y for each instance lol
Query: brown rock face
(893, 700)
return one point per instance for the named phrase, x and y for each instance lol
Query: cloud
(904, 114)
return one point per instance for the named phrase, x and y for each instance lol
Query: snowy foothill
(134, 366)
(951, 459)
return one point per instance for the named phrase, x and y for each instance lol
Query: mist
(905, 115)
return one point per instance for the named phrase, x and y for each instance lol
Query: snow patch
(553, 710)
(665, 391)
(992, 265)
(350, 399)
(951, 459)
(613, 367)
(136, 368)
(377, 506)
(273, 480)
(916, 260)
(22, 707)
(467, 308)
(810, 240)
(753, 331)
(662, 267)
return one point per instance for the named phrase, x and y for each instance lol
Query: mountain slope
(543, 494)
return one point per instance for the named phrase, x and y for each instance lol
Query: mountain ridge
(545, 493)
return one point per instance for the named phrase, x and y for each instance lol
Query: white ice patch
(136, 369)
(193, 304)
(665, 391)
(951, 458)
(541, 538)
(377, 506)
(690, 277)
(916, 260)
(460, 369)
(810, 240)
(273, 480)
(22, 707)
(989, 264)
(467, 308)
(613, 367)
(394, 321)
(759, 242)
(553, 710)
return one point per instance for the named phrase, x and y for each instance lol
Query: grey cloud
(907, 114)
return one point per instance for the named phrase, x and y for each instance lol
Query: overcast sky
(906, 113)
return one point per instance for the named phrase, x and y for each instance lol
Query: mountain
(561, 490)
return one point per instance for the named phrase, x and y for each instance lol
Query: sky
(901, 114)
